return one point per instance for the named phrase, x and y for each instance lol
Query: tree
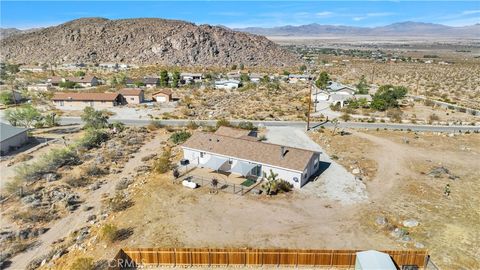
(362, 86)
(80, 73)
(6, 98)
(94, 119)
(242, 66)
(244, 77)
(322, 80)
(265, 79)
(286, 72)
(270, 186)
(68, 84)
(223, 123)
(175, 79)
(387, 97)
(180, 137)
(164, 78)
(303, 68)
(25, 116)
(234, 67)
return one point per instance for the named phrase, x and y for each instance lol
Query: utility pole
(309, 103)
(373, 73)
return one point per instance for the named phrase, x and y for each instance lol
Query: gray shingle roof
(8, 131)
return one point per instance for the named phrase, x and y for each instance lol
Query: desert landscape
(345, 131)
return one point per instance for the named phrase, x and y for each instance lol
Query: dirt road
(78, 219)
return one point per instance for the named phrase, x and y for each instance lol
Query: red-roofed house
(78, 101)
(132, 95)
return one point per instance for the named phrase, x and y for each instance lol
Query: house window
(91, 103)
(315, 163)
(257, 171)
(132, 98)
(202, 154)
(61, 103)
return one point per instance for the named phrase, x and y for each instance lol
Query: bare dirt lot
(405, 182)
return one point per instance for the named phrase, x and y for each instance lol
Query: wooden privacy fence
(132, 257)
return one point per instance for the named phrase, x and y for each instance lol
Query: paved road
(354, 125)
(300, 124)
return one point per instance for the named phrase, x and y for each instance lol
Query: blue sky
(21, 14)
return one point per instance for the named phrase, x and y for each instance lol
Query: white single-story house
(255, 77)
(227, 84)
(251, 158)
(32, 68)
(294, 78)
(12, 138)
(186, 78)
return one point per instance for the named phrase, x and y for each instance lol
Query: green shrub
(224, 123)
(93, 138)
(82, 264)
(163, 164)
(284, 186)
(109, 232)
(180, 137)
(247, 125)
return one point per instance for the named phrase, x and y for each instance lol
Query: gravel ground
(335, 182)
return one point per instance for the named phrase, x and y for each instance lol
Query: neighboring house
(17, 96)
(340, 88)
(84, 81)
(227, 84)
(12, 138)
(78, 101)
(255, 78)
(72, 66)
(162, 96)
(251, 158)
(234, 75)
(339, 99)
(132, 95)
(295, 78)
(32, 68)
(55, 80)
(40, 87)
(187, 78)
(151, 82)
(129, 83)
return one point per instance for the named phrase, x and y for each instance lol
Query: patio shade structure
(242, 168)
(374, 260)
(214, 162)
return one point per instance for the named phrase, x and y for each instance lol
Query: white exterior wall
(14, 142)
(288, 175)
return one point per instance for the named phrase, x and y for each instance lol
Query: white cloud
(324, 14)
(470, 12)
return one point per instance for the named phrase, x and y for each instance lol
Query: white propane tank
(189, 184)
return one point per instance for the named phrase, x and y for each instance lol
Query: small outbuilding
(374, 260)
(12, 138)
(164, 95)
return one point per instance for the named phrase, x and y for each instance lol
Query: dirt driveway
(64, 226)
(335, 182)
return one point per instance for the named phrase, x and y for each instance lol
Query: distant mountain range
(6, 32)
(402, 29)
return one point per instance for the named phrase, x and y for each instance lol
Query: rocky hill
(144, 41)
